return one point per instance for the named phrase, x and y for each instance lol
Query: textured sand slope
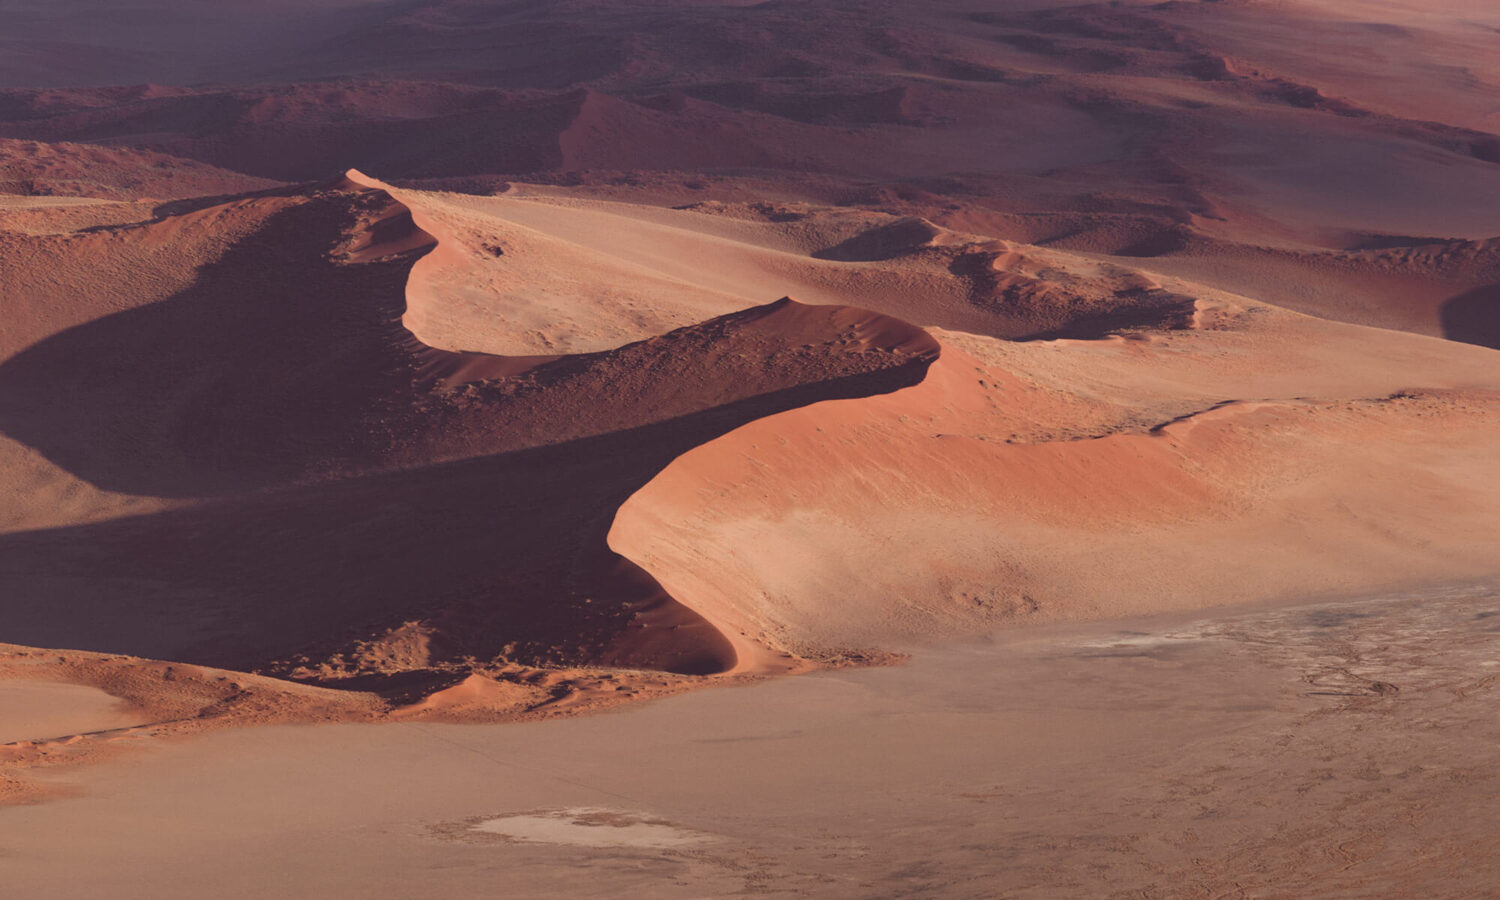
(1269, 456)
(392, 495)
(379, 505)
(576, 275)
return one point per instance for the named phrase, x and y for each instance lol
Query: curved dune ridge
(1024, 483)
(458, 453)
(303, 399)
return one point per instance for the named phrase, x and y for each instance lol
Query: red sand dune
(363, 487)
(279, 383)
(1068, 480)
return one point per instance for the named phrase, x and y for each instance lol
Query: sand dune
(505, 483)
(583, 275)
(349, 368)
(1024, 483)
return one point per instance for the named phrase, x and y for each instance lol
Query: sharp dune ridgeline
(503, 485)
(330, 459)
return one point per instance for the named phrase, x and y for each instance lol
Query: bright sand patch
(41, 710)
(589, 827)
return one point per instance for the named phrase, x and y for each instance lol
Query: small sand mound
(475, 695)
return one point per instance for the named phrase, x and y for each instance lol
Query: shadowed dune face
(265, 365)
(498, 558)
(1474, 317)
(286, 363)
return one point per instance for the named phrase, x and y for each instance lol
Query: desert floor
(1330, 750)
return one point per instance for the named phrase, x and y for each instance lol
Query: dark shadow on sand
(1473, 317)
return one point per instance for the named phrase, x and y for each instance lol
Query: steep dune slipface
(353, 501)
(1267, 456)
(414, 469)
(62, 272)
(259, 337)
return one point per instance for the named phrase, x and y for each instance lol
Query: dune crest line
(363, 509)
(746, 656)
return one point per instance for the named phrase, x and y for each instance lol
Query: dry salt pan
(590, 827)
